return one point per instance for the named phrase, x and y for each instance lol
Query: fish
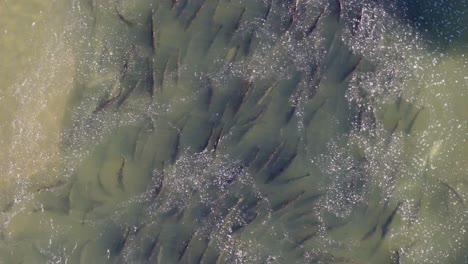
(122, 17)
(120, 175)
(388, 222)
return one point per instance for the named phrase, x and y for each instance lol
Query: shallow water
(218, 131)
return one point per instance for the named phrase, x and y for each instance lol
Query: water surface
(233, 132)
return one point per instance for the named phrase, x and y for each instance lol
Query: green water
(232, 131)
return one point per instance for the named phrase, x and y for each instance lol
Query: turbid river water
(233, 131)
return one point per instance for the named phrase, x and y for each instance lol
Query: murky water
(232, 131)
